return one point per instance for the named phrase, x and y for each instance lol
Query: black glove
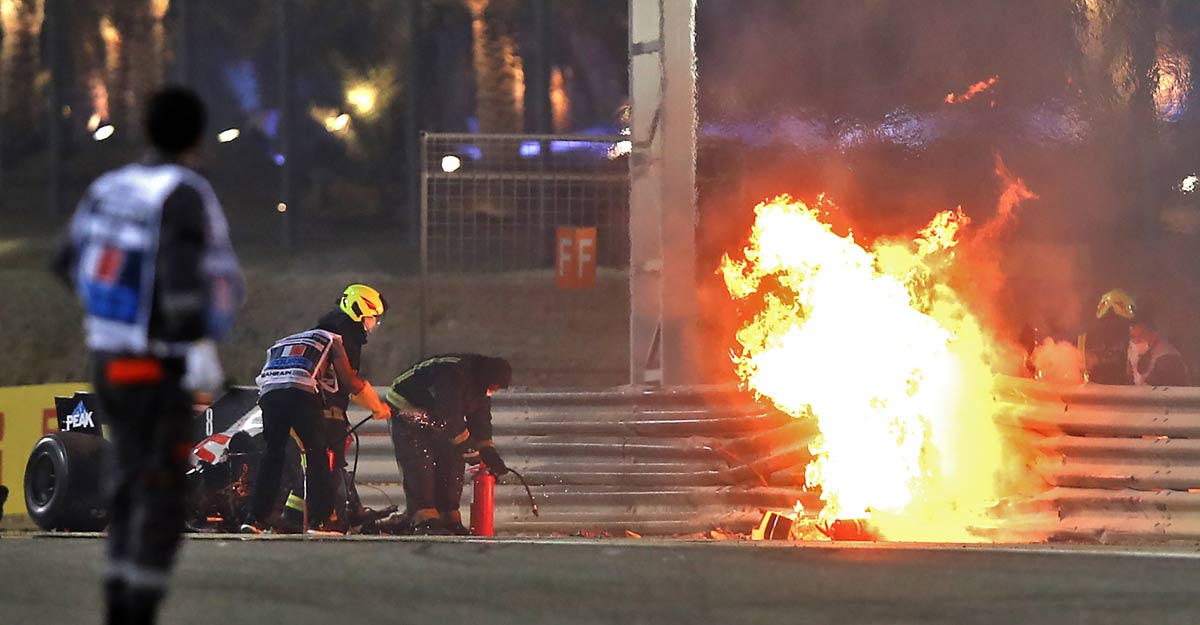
(493, 461)
(470, 455)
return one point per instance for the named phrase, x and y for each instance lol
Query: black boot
(142, 606)
(114, 602)
(452, 521)
(432, 527)
(3, 498)
(363, 515)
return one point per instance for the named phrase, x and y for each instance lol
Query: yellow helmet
(1116, 301)
(360, 300)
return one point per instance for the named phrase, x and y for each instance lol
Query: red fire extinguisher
(483, 503)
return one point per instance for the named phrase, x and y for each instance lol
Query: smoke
(1057, 362)
(1092, 107)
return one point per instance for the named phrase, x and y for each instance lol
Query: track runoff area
(265, 581)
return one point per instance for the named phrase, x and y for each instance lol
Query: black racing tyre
(64, 482)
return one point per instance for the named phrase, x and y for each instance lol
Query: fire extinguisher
(483, 503)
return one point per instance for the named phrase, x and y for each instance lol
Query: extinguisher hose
(532, 503)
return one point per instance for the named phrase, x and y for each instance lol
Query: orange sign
(575, 257)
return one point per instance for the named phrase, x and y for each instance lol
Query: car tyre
(64, 482)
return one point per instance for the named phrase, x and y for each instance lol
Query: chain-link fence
(493, 202)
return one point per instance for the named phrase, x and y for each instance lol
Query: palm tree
(21, 72)
(138, 67)
(499, 72)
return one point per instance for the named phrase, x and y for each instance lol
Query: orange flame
(1015, 191)
(972, 91)
(886, 357)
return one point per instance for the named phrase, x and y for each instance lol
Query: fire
(972, 91)
(877, 347)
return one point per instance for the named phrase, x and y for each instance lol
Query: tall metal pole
(423, 231)
(285, 127)
(662, 194)
(413, 117)
(54, 29)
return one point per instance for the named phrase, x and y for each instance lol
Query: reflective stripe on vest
(115, 234)
(299, 361)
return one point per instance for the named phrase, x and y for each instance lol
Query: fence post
(422, 313)
(285, 127)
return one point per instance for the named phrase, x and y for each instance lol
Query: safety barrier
(654, 463)
(1122, 464)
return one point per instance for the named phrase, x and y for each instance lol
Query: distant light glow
(228, 135)
(103, 132)
(362, 97)
(338, 123)
(242, 79)
(93, 122)
(620, 148)
(279, 159)
(451, 163)
(1189, 184)
(281, 207)
(531, 148)
(1173, 85)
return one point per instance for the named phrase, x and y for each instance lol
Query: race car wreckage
(64, 478)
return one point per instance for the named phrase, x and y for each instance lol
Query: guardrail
(654, 463)
(1122, 464)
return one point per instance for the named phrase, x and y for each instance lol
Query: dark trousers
(285, 410)
(337, 431)
(149, 423)
(432, 468)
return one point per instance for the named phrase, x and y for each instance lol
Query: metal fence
(671, 461)
(1121, 464)
(492, 202)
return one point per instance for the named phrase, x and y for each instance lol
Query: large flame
(884, 354)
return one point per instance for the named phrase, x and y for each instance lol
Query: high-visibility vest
(300, 361)
(115, 234)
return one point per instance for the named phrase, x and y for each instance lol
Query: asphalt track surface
(439, 581)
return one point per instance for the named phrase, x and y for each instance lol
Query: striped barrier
(654, 463)
(1121, 464)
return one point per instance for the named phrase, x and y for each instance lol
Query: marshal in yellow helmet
(359, 301)
(1116, 301)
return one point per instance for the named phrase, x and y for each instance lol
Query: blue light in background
(531, 148)
(279, 159)
(244, 85)
(270, 123)
(558, 147)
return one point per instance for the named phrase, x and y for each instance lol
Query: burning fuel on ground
(876, 345)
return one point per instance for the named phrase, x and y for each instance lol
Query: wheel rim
(43, 481)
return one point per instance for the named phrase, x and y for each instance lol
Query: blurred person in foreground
(301, 373)
(441, 421)
(148, 254)
(1105, 343)
(1152, 360)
